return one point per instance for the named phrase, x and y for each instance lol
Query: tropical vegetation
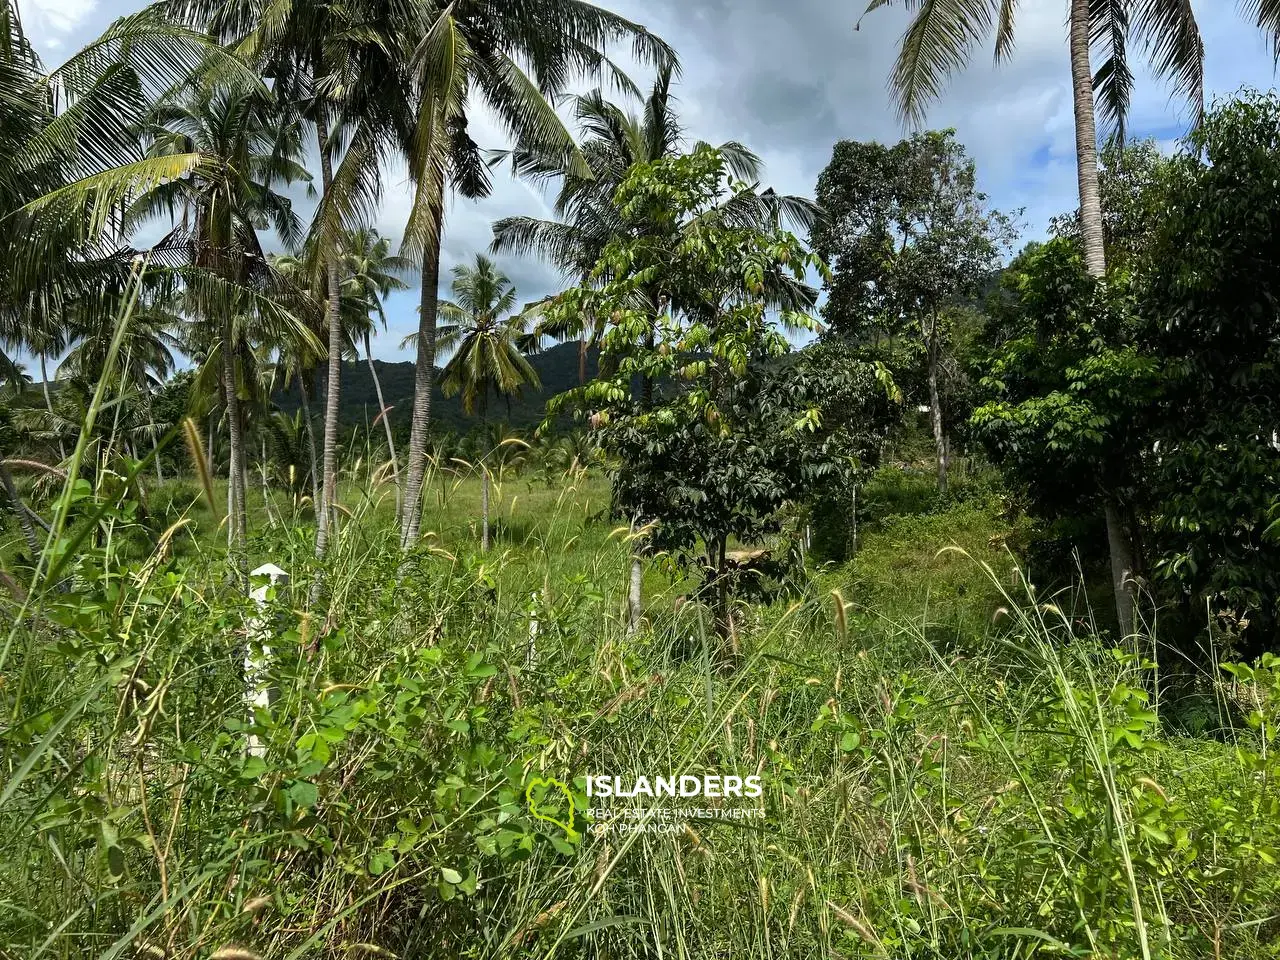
(960, 539)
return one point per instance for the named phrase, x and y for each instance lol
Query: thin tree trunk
(1096, 264)
(935, 406)
(1121, 568)
(484, 507)
(48, 403)
(582, 360)
(235, 470)
(1086, 141)
(266, 490)
(635, 599)
(19, 508)
(721, 590)
(311, 443)
(423, 381)
(386, 420)
(853, 533)
(155, 444)
(333, 382)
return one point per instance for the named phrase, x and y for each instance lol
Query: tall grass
(954, 765)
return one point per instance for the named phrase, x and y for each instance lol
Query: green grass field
(952, 765)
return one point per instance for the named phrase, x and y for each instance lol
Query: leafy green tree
(489, 344)
(940, 40)
(725, 444)
(1206, 292)
(911, 241)
(1130, 180)
(1065, 405)
(859, 403)
(515, 58)
(613, 142)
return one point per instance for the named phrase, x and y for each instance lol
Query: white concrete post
(257, 653)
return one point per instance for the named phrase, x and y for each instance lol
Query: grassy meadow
(953, 765)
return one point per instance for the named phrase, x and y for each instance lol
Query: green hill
(557, 369)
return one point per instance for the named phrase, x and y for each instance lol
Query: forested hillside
(557, 369)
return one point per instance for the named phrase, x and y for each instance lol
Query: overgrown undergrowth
(953, 765)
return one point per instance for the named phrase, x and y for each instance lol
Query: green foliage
(734, 439)
(968, 781)
(906, 232)
(912, 243)
(1064, 399)
(1130, 180)
(1206, 295)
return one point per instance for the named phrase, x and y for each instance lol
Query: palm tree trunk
(48, 404)
(385, 415)
(1086, 141)
(235, 472)
(423, 381)
(333, 385)
(266, 489)
(1095, 261)
(582, 360)
(484, 507)
(935, 405)
(311, 443)
(155, 444)
(244, 476)
(19, 508)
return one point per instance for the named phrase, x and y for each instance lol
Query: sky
(788, 78)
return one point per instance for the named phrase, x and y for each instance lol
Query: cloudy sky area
(790, 77)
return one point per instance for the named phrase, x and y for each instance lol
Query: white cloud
(48, 23)
(788, 80)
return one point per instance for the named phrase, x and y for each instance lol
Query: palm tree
(942, 35)
(614, 142)
(145, 357)
(371, 273)
(489, 344)
(940, 40)
(477, 47)
(70, 161)
(245, 151)
(297, 357)
(339, 68)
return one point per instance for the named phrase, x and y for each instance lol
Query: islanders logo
(551, 801)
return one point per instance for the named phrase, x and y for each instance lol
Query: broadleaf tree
(724, 441)
(911, 241)
(940, 40)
